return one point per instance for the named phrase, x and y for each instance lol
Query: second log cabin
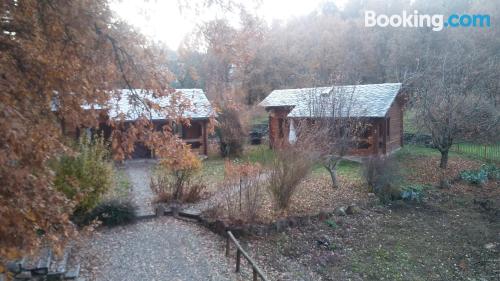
(379, 105)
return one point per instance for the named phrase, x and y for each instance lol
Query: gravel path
(139, 174)
(159, 249)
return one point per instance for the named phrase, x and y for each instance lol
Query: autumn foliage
(56, 57)
(173, 180)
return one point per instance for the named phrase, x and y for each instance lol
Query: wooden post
(238, 260)
(270, 131)
(401, 137)
(384, 135)
(205, 138)
(254, 274)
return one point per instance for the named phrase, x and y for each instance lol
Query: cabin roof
(370, 100)
(189, 103)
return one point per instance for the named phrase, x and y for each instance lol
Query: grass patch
(346, 168)
(385, 263)
(212, 171)
(411, 150)
(261, 154)
(415, 151)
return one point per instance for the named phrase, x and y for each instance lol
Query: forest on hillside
(332, 46)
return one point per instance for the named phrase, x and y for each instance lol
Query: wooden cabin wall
(370, 138)
(278, 136)
(395, 117)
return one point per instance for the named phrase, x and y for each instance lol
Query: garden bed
(452, 234)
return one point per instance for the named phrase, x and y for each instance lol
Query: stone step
(60, 265)
(45, 259)
(16, 266)
(191, 213)
(73, 273)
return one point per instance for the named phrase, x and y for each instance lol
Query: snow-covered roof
(187, 103)
(370, 100)
(290, 97)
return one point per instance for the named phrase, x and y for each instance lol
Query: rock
(444, 184)
(323, 241)
(328, 259)
(239, 231)
(175, 208)
(293, 221)
(352, 210)
(280, 225)
(190, 213)
(323, 215)
(490, 246)
(160, 210)
(340, 211)
(219, 227)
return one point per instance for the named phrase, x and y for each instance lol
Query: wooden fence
(485, 151)
(239, 252)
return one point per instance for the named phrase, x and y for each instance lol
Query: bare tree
(332, 126)
(453, 99)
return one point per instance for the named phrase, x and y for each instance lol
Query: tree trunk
(444, 159)
(331, 166)
(333, 175)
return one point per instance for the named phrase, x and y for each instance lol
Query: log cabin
(380, 106)
(191, 104)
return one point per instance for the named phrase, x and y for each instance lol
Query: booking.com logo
(436, 22)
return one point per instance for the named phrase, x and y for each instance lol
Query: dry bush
(231, 131)
(290, 166)
(242, 190)
(193, 193)
(383, 177)
(164, 186)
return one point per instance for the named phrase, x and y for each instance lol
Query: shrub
(388, 193)
(290, 166)
(231, 131)
(112, 213)
(85, 176)
(332, 224)
(174, 175)
(413, 192)
(164, 186)
(242, 190)
(477, 177)
(492, 170)
(194, 192)
(382, 176)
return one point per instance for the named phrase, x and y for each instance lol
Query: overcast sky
(162, 20)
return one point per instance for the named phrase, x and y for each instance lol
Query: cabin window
(388, 126)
